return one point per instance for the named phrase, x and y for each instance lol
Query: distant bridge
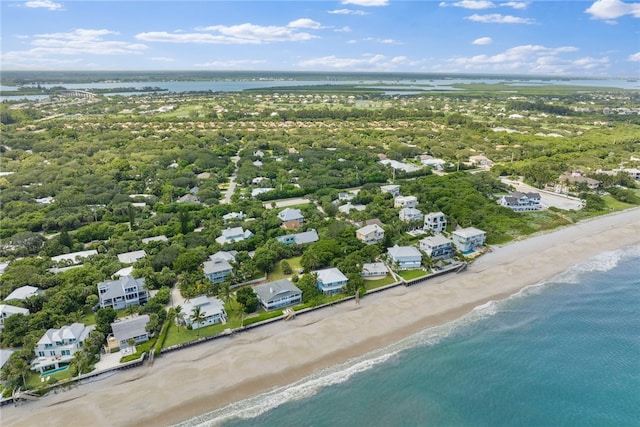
(75, 93)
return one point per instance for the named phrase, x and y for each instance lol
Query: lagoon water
(561, 353)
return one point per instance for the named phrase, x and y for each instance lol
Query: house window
(66, 352)
(41, 354)
(48, 345)
(52, 353)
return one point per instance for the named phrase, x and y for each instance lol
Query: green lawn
(34, 379)
(277, 273)
(412, 274)
(372, 284)
(179, 335)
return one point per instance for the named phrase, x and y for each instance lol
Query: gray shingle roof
(269, 291)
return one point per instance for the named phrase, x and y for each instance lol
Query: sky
(574, 38)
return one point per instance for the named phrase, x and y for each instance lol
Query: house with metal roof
(330, 281)
(405, 257)
(212, 310)
(437, 247)
(370, 234)
(24, 292)
(123, 292)
(234, 234)
(374, 269)
(277, 294)
(291, 218)
(131, 257)
(133, 328)
(57, 346)
(521, 202)
(310, 236)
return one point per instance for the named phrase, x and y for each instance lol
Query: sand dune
(191, 382)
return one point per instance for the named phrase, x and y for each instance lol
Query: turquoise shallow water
(561, 353)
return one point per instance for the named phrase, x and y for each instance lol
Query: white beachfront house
(57, 346)
(330, 281)
(233, 216)
(468, 239)
(122, 293)
(405, 257)
(437, 247)
(280, 293)
(212, 310)
(370, 234)
(310, 236)
(131, 257)
(521, 202)
(235, 234)
(7, 310)
(133, 328)
(435, 221)
(405, 202)
(410, 214)
(374, 269)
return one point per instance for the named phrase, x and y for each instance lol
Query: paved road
(547, 198)
(232, 183)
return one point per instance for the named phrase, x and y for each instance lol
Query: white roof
(216, 266)
(375, 267)
(74, 256)
(469, 232)
(123, 272)
(131, 257)
(290, 215)
(161, 238)
(23, 292)
(208, 306)
(330, 275)
(370, 229)
(436, 240)
(77, 331)
(223, 256)
(269, 291)
(404, 251)
(125, 329)
(7, 310)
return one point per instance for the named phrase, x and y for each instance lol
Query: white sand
(191, 382)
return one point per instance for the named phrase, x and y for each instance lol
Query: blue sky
(578, 38)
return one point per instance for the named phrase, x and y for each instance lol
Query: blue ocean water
(561, 353)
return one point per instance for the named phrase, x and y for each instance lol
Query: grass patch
(615, 205)
(411, 274)
(33, 379)
(384, 281)
(277, 273)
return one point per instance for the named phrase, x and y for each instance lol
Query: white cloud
(162, 59)
(383, 41)
(345, 29)
(496, 18)
(635, 57)
(516, 4)
(348, 12)
(304, 23)
(236, 34)
(47, 48)
(366, 2)
(533, 59)
(483, 41)
(46, 4)
(470, 4)
(366, 62)
(231, 64)
(612, 9)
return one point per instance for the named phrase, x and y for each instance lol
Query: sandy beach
(197, 380)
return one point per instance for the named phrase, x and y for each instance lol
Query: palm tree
(179, 315)
(225, 291)
(197, 317)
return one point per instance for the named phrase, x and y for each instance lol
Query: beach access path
(194, 381)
